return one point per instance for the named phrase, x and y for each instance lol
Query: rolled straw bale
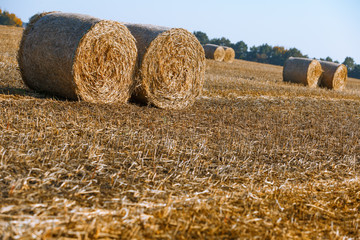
(171, 66)
(334, 75)
(229, 54)
(215, 52)
(302, 70)
(78, 57)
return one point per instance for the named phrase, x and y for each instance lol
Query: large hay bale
(302, 70)
(214, 52)
(171, 66)
(334, 75)
(78, 57)
(229, 54)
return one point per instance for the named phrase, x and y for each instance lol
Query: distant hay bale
(302, 70)
(334, 75)
(215, 52)
(229, 54)
(78, 57)
(171, 66)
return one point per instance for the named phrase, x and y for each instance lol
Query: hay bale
(334, 75)
(229, 54)
(214, 52)
(78, 57)
(302, 70)
(171, 66)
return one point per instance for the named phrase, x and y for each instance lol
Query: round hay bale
(302, 70)
(214, 52)
(229, 54)
(78, 57)
(334, 75)
(171, 66)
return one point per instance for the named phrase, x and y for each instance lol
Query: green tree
(355, 72)
(294, 52)
(7, 18)
(329, 59)
(264, 53)
(240, 49)
(202, 37)
(278, 55)
(251, 54)
(261, 53)
(349, 63)
(221, 41)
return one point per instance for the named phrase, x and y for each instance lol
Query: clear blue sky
(319, 28)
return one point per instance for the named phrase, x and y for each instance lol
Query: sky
(318, 28)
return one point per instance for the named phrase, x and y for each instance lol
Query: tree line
(266, 53)
(10, 19)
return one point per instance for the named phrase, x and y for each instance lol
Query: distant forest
(268, 54)
(10, 19)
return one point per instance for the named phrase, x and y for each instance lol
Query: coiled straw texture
(170, 68)
(229, 54)
(78, 57)
(334, 76)
(214, 52)
(303, 71)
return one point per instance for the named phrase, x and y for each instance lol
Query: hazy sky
(319, 28)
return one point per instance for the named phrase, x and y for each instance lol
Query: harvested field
(254, 157)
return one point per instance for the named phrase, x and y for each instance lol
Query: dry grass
(254, 157)
(10, 40)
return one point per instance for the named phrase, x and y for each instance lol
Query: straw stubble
(78, 57)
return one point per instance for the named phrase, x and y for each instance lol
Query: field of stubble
(254, 158)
